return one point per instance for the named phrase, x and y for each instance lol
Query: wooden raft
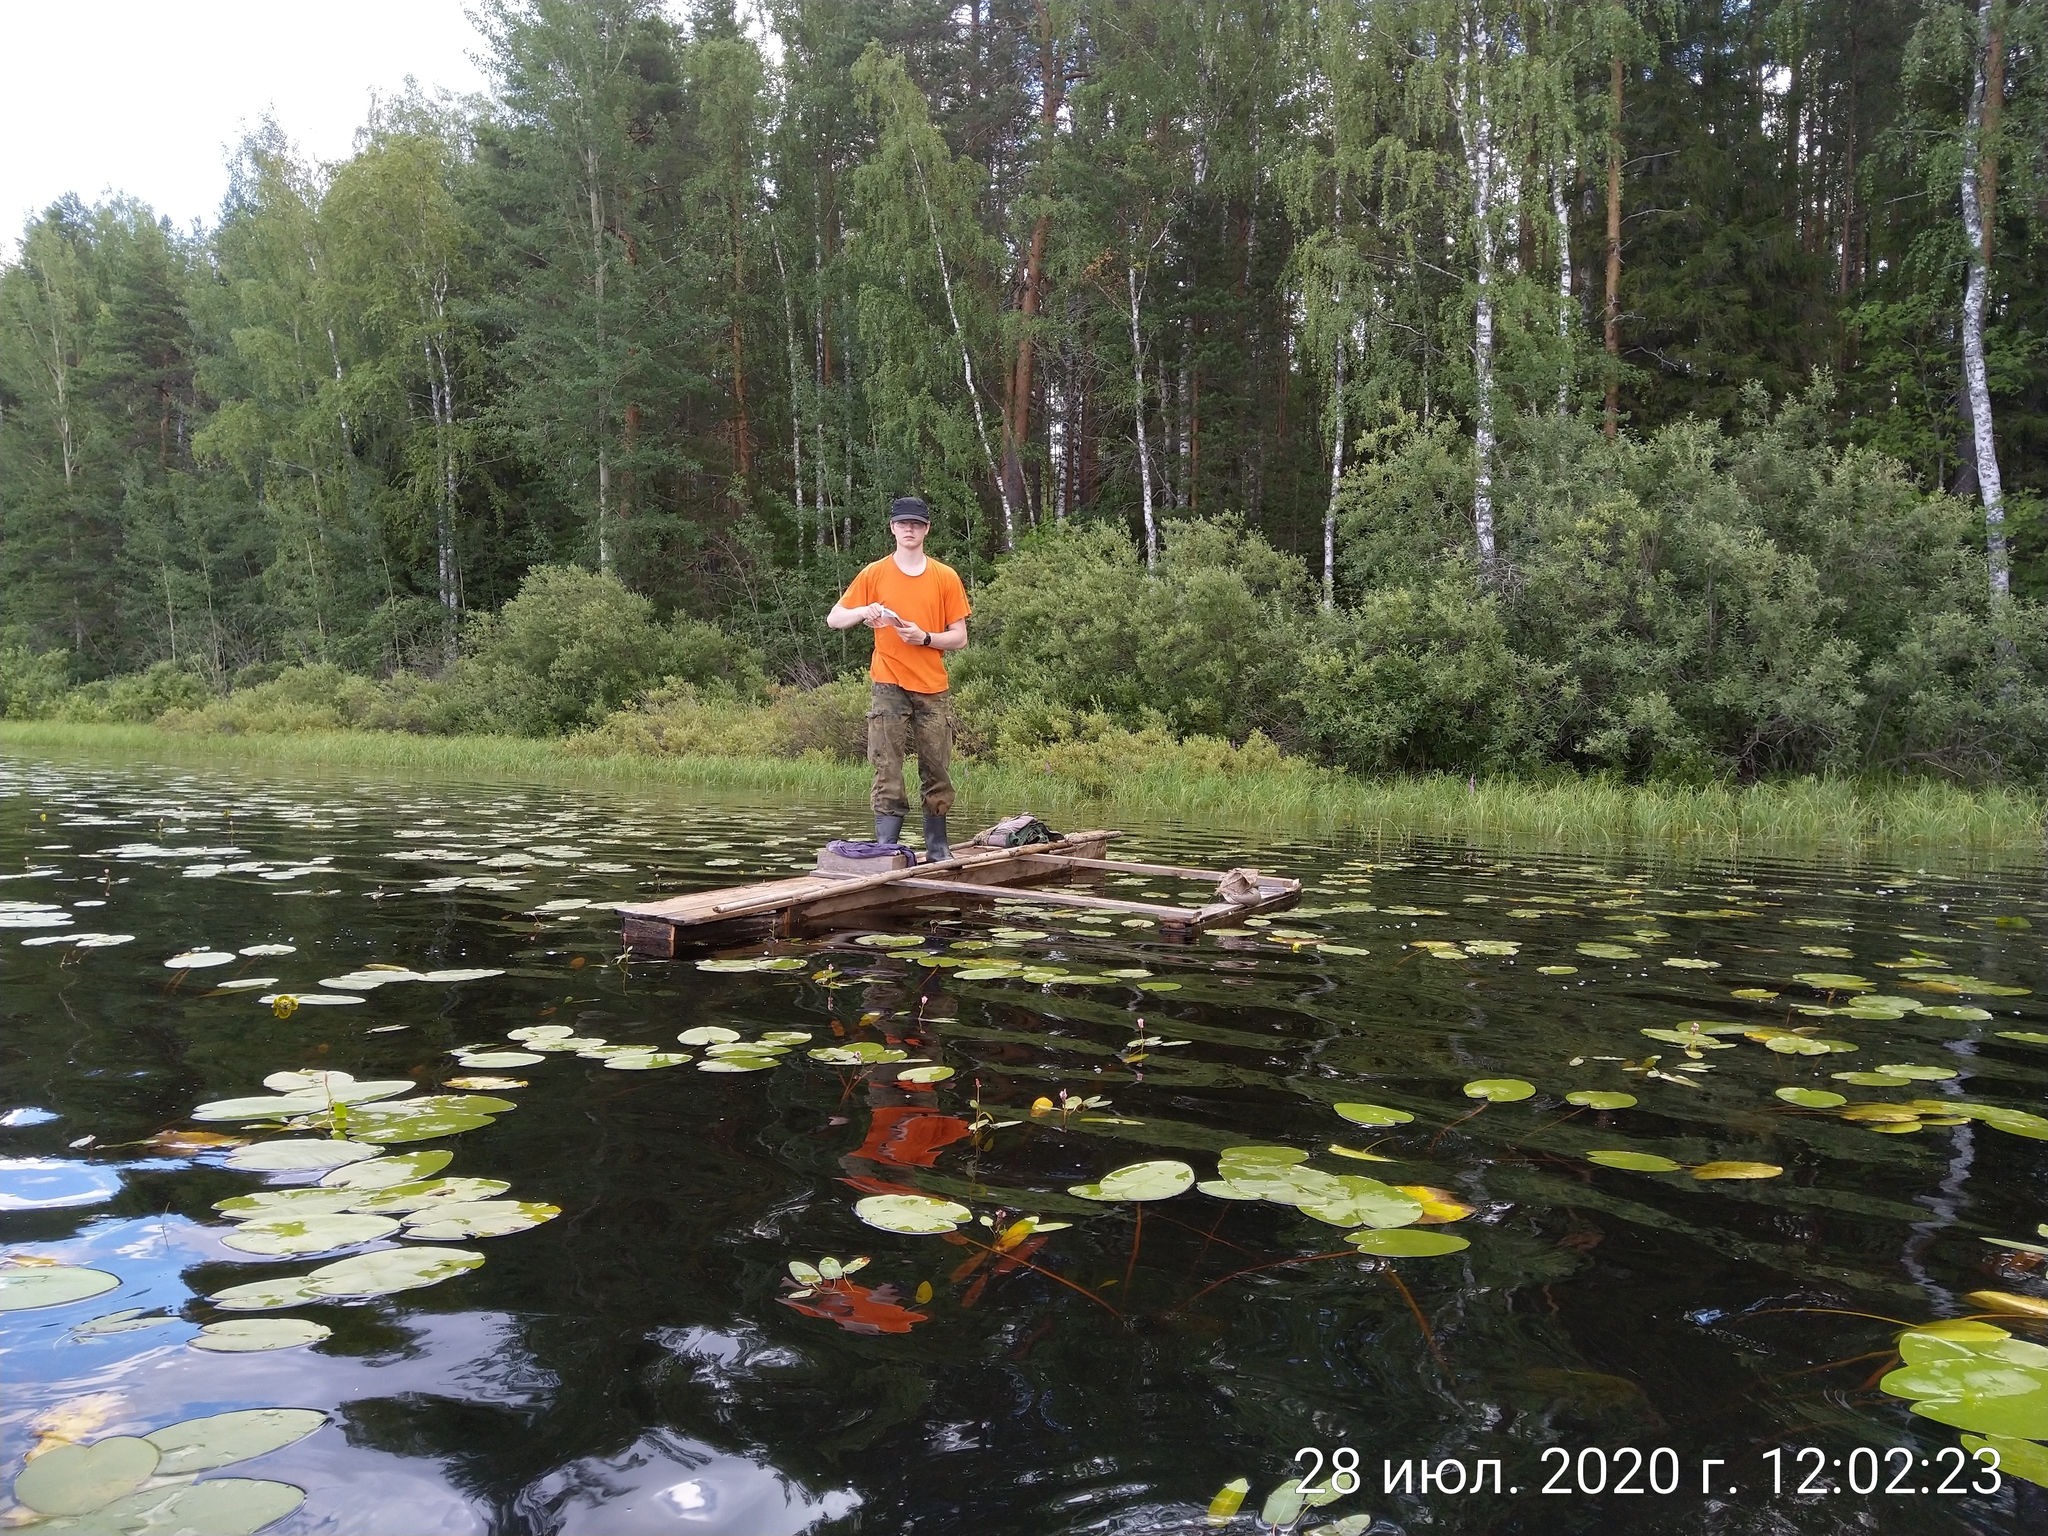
(824, 900)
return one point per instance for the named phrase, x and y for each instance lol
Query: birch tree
(1976, 385)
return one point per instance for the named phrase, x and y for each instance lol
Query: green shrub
(573, 646)
(1417, 680)
(679, 719)
(137, 698)
(31, 682)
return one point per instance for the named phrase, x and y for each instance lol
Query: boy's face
(909, 534)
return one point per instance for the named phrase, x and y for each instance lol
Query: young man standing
(918, 610)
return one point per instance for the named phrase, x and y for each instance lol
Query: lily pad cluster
(1977, 1377)
(364, 1112)
(151, 1483)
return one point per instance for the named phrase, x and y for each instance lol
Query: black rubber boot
(888, 829)
(935, 849)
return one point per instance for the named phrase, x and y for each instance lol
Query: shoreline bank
(1832, 816)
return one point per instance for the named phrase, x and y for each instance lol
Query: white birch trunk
(1479, 163)
(1336, 484)
(796, 410)
(1564, 292)
(1138, 414)
(1975, 384)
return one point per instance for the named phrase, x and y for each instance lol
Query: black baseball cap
(909, 509)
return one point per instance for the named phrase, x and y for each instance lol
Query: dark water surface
(636, 1365)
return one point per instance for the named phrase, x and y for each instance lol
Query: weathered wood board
(979, 875)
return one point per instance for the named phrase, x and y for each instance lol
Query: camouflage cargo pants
(901, 723)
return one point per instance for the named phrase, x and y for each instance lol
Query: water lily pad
(1499, 1090)
(299, 1155)
(500, 1058)
(128, 1320)
(2016, 1458)
(197, 1445)
(1961, 1011)
(786, 1037)
(389, 1270)
(889, 940)
(1608, 952)
(1160, 1179)
(1871, 1079)
(1913, 1072)
(1689, 963)
(73, 1479)
(1810, 1098)
(1635, 1162)
(1373, 1114)
(1593, 1098)
(285, 1234)
(1357, 1200)
(708, 1034)
(249, 1335)
(454, 1220)
(220, 1506)
(858, 1053)
(1557, 970)
(917, 1215)
(924, 1074)
(1405, 1243)
(1736, 1170)
(51, 1285)
(426, 1118)
(384, 1172)
(427, 1194)
(645, 1061)
(1835, 981)
(199, 960)
(1992, 1388)
(2023, 1036)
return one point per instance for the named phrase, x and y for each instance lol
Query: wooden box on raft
(974, 877)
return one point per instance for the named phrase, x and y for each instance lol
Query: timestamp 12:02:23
(1897, 1470)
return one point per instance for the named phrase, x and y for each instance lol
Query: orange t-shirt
(933, 600)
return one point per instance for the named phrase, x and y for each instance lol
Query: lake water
(646, 1361)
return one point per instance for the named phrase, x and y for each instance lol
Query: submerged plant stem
(1421, 1322)
(1036, 1270)
(1137, 1236)
(1237, 1274)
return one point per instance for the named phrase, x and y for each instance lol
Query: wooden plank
(739, 901)
(1122, 866)
(1005, 873)
(1055, 898)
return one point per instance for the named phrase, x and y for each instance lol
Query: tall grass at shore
(1830, 815)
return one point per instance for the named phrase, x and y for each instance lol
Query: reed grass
(1836, 816)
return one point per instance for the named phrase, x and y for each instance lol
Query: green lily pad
(284, 1236)
(134, 1320)
(1811, 1098)
(1635, 1162)
(386, 1172)
(1499, 1090)
(708, 1034)
(1996, 1388)
(645, 1061)
(1357, 1200)
(1913, 1072)
(221, 1506)
(2016, 1458)
(248, 1335)
(298, 1155)
(1157, 1180)
(427, 1194)
(1251, 1158)
(1691, 1039)
(917, 1215)
(276, 1204)
(51, 1285)
(1834, 981)
(219, 1440)
(889, 940)
(265, 1295)
(1609, 952)
(73, 1479)
(424, 1119)
(1557, 970)
(1871, 1079)
(1373, 1114)
(1592, 1098)
(924, 1074)
(461, 1219)
(985, 972)
(1731, 1169)
(2024, 1036)
(739, 1063)
(1405, 1243)
(861, 1053)
(500, 1058)
(391, 1269)
(786, 1037)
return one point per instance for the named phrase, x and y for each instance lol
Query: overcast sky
(106, 96)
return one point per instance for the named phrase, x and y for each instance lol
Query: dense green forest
(1656, 386)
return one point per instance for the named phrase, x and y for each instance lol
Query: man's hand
(909, 633)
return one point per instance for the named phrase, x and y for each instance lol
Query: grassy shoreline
(1836, 816)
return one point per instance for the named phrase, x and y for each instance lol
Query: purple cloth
(852, 850)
